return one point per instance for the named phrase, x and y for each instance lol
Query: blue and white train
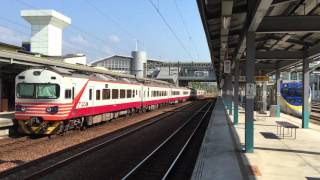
(291, 98)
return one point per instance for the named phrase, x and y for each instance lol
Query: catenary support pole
(236, 93)
(250, 91)
(306, 93)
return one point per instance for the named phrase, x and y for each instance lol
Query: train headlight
(20, 108)
(52, 110)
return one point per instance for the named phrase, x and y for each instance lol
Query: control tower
(46, 30)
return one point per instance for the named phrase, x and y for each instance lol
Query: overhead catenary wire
(74, 27)
(187, 30)
(106, 16)
(22, 32)
(170, 28)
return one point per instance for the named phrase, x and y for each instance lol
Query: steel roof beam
(279, 55)
(253, 22)
(226, 12)
(282, 2)
(314, 51)
(286, 24)
(19, 58)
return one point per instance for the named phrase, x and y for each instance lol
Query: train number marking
(82, 104)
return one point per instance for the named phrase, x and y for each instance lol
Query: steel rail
(130, 173)
(60, 163)
(186, 144)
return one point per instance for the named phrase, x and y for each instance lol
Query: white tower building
(46, 30)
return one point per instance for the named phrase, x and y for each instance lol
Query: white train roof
(105, 77)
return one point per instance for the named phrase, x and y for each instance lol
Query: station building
(123, 64)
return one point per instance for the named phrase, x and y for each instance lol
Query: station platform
(5, 123)
(218, 157)
(280, 158)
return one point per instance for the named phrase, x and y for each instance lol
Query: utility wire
(74, 27)
(128, 33)
(170, 28)
(187, 30)
(106, 16)
(27, 35)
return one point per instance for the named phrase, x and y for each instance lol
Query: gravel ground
(14, 154)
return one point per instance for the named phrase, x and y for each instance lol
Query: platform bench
(282, 125)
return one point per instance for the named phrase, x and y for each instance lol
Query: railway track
(162, 162)
(315, 112)
(44, 166)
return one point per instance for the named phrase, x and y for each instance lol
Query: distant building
(123, 64)
(9, 47)
(117, 63)
(174, 72)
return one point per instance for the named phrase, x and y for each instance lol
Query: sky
(102, 28)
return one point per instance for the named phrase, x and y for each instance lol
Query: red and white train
(197, 93)
(53, 100)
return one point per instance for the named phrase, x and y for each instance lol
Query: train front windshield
(38, 91)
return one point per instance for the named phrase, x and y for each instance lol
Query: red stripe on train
(88, 111)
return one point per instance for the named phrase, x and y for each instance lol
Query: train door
(141, 94)
(91, 98)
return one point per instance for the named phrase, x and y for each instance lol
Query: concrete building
(116, 63)
(135, 65)
(174, 72)
(46, 30)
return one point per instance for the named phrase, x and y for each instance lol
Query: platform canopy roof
(286, 31)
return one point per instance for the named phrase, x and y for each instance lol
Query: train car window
(292, 92)
(136, 92)
(299, 92)
(67, 93)
(105, 94)
(122, 93)
(133, 93)
(72, 93)
(129, 93)
(98, 94)
(90, 94)
(38, 91)
(115, 93)
(285, 91)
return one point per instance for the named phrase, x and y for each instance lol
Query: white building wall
(39, 39)
(54, 40)
(46, 39)
(46, 30)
